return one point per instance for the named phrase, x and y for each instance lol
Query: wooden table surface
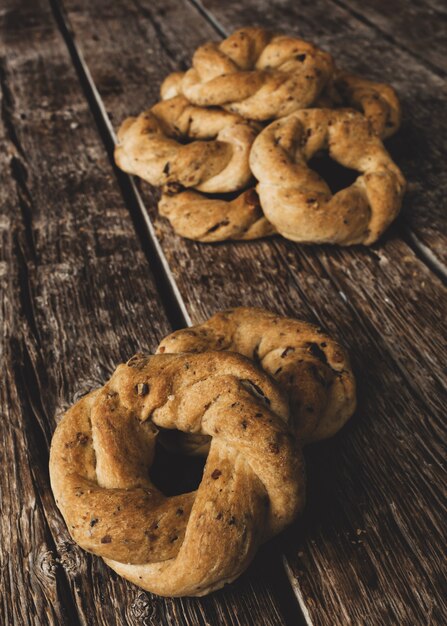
(90, 275)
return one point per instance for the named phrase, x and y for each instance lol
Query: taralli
(377, 101)
(172, 85)
(254, 73)
(262, 76)
(195, 216)
(152, 146)
(298, 202)
(311, 368)
(191, 544)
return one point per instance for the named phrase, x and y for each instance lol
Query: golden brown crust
(311, 368)
(204, 218)
(377, 101)
(191, 544)
(298, 202)
(254, 73)
(215, 160)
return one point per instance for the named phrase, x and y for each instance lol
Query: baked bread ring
(254, 73)
(311, 368)
(203, 218)
(150, 146)
(194, 543)
(377, 101)
(298, 202)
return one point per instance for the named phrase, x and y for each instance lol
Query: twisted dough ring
(195, 216)
(209, 219)
(193, 543)
(311, 368)
(150, 147)
(254, 73)
(377, 101)
(297, 200)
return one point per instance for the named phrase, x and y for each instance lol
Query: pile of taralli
(248, 389)
(230, 144)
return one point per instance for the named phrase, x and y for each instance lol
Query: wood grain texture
(360, 48)
(71, 272)
(78, 297)
(368, 548)
(418, 27)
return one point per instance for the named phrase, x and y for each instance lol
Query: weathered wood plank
(418, 27)
(70, 305)
(79, 298)
(33, 586)
(30, 575)
(358, 47)
(382, 475)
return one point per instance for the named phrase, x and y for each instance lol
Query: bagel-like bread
(194, 543)
(377, 101)
(195, 216)
(298, 202)
(150, 146)
(254, 73)
(311, 368)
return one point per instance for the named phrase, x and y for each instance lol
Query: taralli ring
(254, 73)
(377, 101)
(176, 145)
(191, 544)
(312, 369)
(299, 203)
(204, 218)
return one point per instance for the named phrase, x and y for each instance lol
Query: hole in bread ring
(252, 485)
(254, 73)
(335, 175)
(311, 368)
(177, 145)
(299, 203)
(178, 463)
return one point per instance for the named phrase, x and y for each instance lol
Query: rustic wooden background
(89, 275)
